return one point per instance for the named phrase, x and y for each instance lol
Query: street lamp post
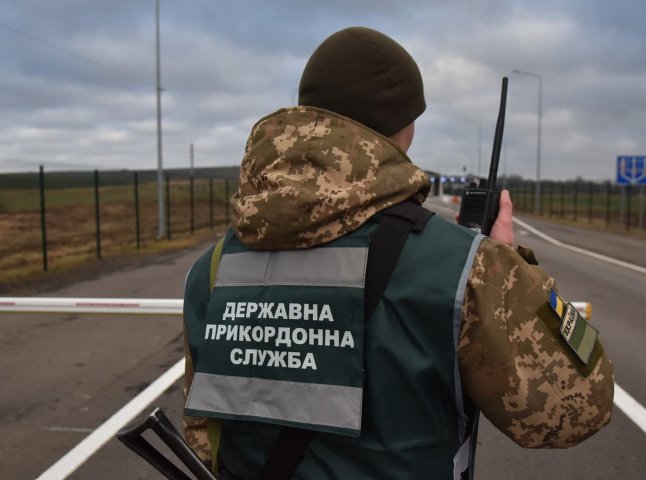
(479, 141)
(160, 169)
(537, 199)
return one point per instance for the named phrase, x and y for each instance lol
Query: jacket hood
(310, 176)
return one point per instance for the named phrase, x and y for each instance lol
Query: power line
(74, 54)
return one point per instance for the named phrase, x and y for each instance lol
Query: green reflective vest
(403, 418)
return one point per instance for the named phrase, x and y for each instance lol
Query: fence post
(590, 189)
(211, 202)
(562, 199)
(531, 196)
(551, 210)
(137, 226)
(641, 207)
(168, 234)
(608, 203)
(192, 185)
(622, 204)
(43, 225)
(629, 192)
(96, 214)
(226, 199)
(576, 200)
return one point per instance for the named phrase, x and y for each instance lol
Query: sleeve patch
(578, 334)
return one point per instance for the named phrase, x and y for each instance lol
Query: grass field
(71, 227)
(595, 206)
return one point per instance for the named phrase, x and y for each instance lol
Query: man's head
(367, 76)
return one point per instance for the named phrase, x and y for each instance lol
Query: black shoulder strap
(386, 245)
(395, 224)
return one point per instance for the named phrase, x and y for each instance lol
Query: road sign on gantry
(631, 170)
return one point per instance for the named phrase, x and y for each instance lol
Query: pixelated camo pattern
(517, 375)
(310, 176)
(196, 435)
(195, 429)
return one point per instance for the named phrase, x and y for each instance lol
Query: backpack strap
(387, 243)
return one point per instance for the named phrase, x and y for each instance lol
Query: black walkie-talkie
(479, 207)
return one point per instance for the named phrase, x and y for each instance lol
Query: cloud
(78, 85)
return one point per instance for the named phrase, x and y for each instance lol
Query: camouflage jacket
(310, 176)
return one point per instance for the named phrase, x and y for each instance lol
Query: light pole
(160, 169)
(537, 199)
(192, 160)
(479, 141)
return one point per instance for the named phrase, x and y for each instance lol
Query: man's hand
(503, 229)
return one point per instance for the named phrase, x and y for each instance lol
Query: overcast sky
(77, 78)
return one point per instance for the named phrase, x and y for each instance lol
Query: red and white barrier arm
(130, 306)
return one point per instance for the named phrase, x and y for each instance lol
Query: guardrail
(130, 306)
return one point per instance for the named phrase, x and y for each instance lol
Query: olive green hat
(365, 75)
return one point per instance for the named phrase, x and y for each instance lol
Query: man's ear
(404, 137)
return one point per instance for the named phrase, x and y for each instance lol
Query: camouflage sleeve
(196, 296)
(519, 374)
(195, 428)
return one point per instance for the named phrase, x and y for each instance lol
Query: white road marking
(68, 429)
(627, 404)
(106, 431)
(556, 242)
(631, 408)
(582, 251)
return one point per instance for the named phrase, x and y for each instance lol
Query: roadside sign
(631, 170)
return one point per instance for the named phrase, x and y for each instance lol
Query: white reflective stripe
(457, 324)
(461, 459)
(308, 403)
(335, 267)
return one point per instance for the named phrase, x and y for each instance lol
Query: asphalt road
(63, 375)
(617, 296)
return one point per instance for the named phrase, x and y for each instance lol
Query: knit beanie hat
(365, 75)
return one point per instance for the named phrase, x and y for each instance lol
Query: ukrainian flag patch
(579, 334)
(557, 303)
